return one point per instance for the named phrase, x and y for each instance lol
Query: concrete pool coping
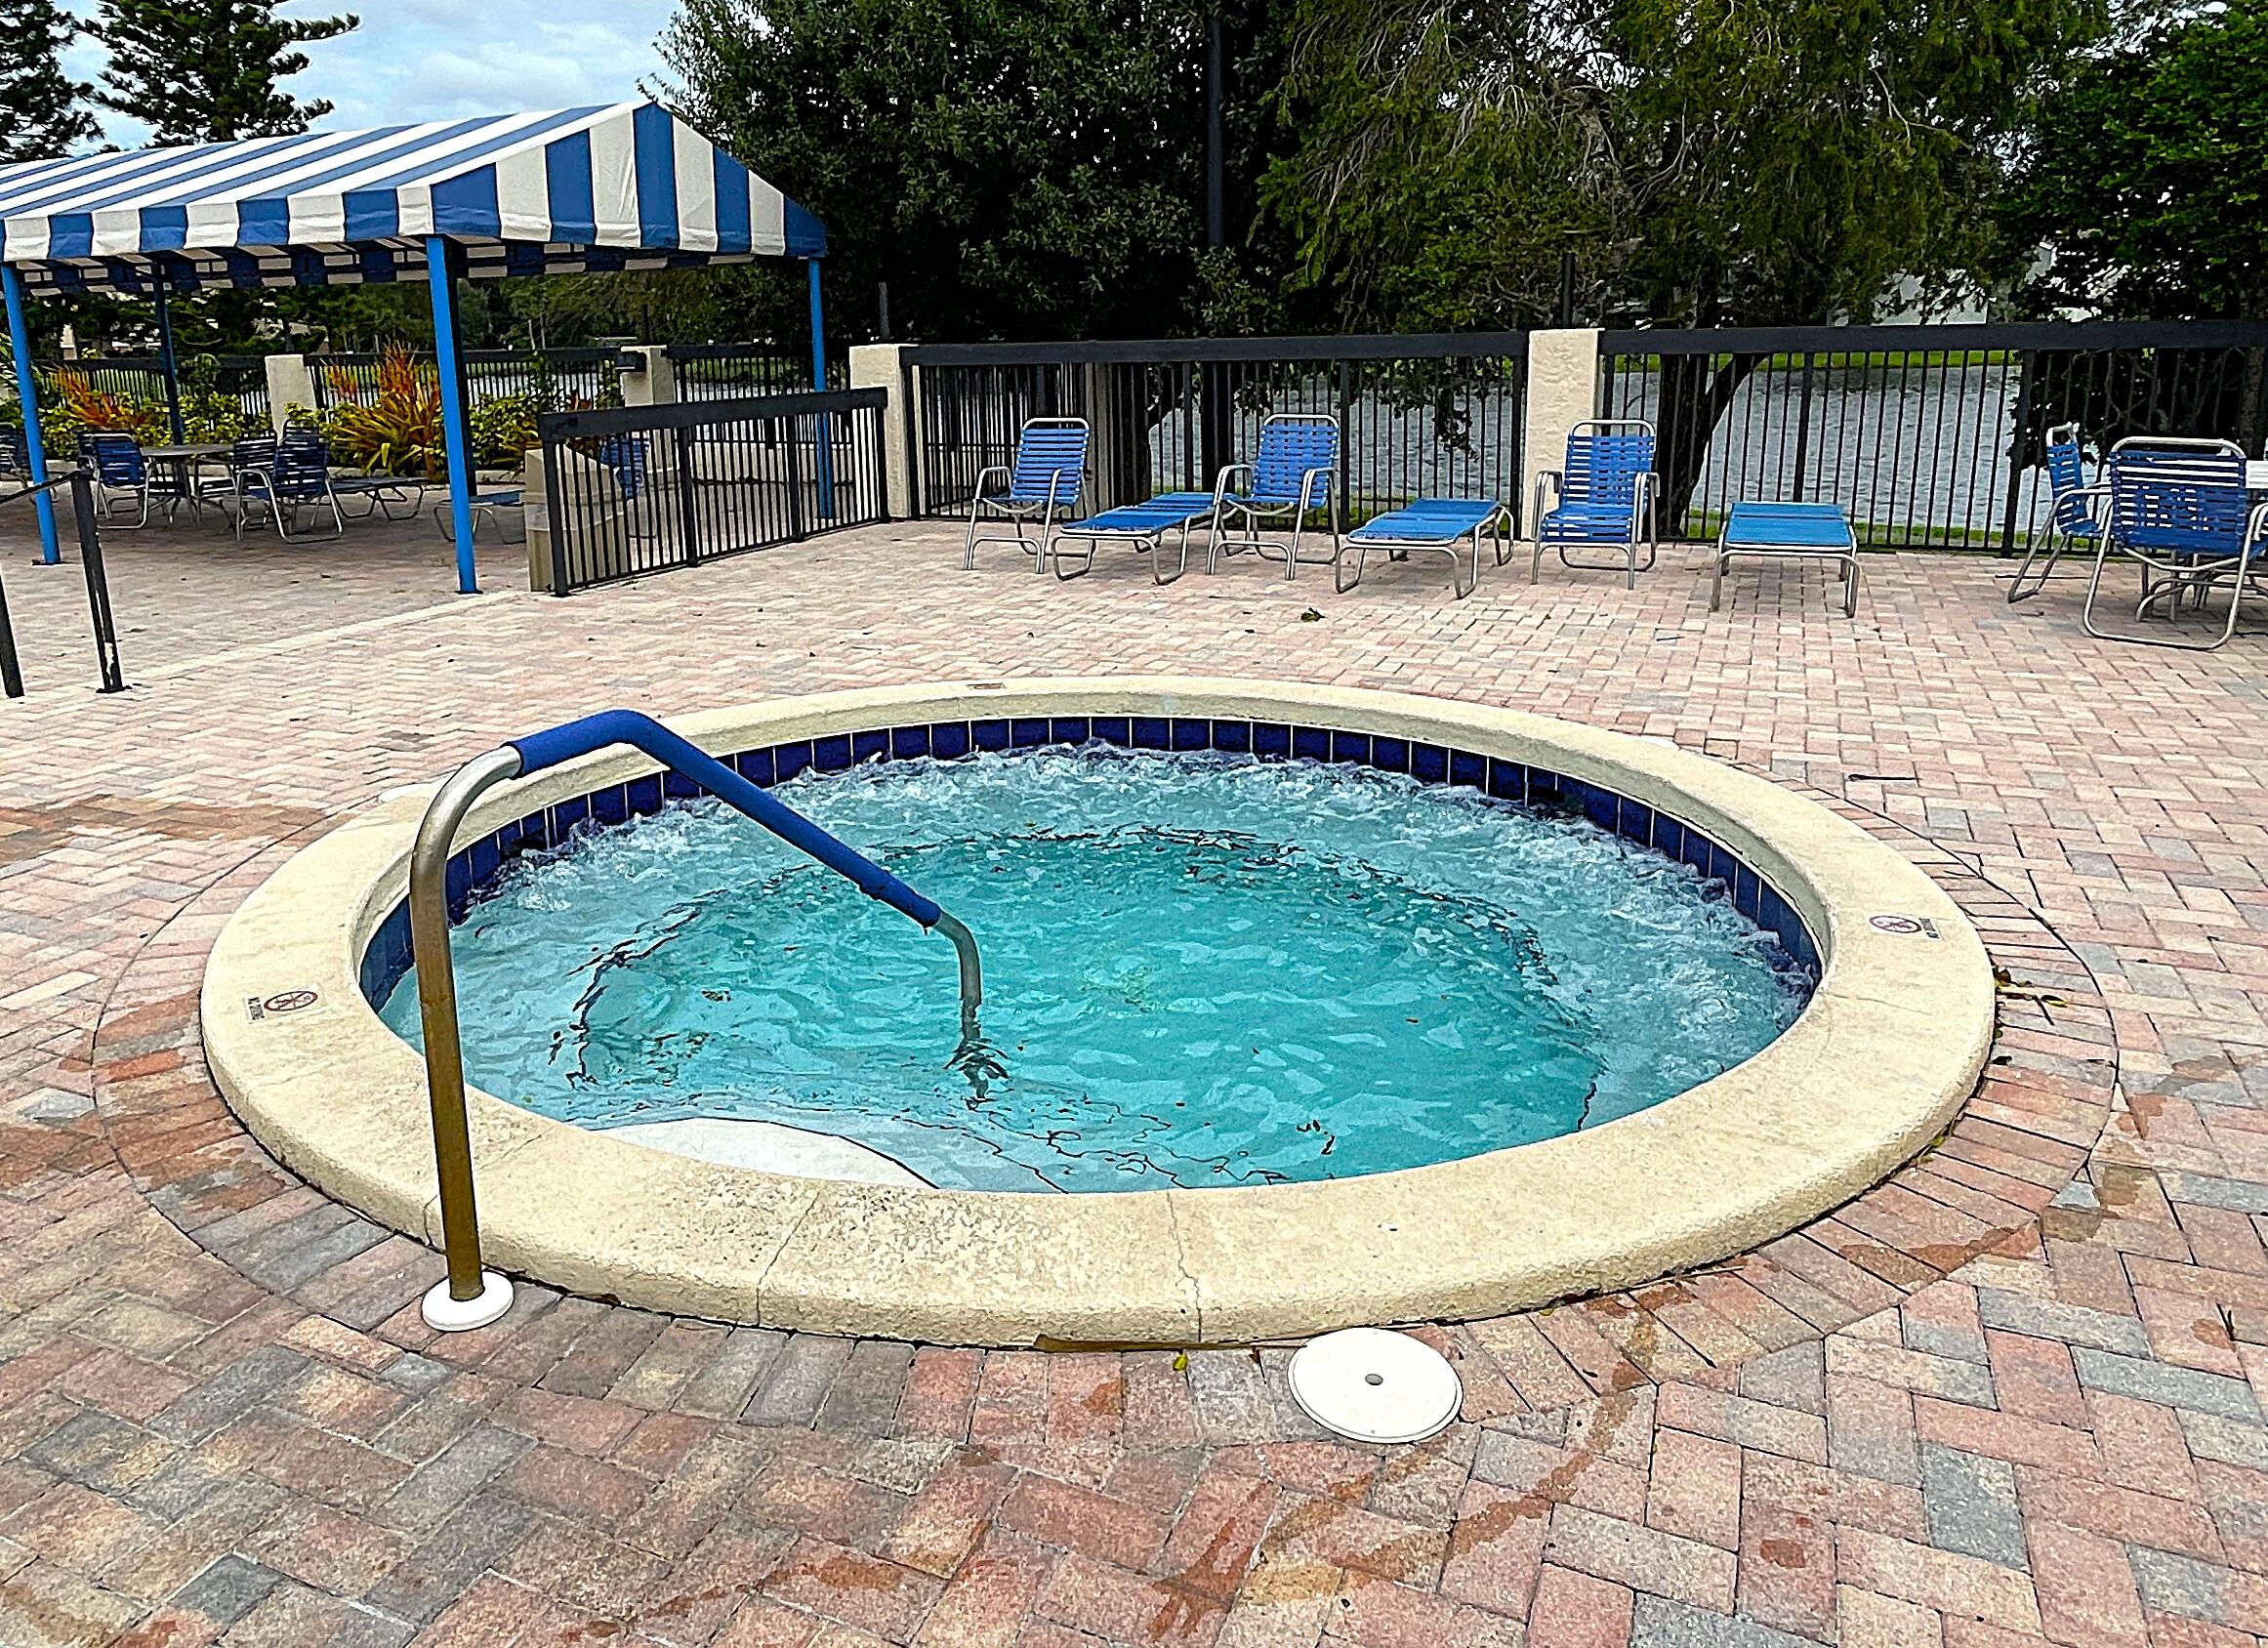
(1887, 1051)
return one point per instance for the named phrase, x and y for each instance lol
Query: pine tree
(41, 111)
(207, 70)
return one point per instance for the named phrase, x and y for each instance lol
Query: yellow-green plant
(399, 431)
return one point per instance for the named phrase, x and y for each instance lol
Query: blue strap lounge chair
(2181, 510)
(1292, 476)
(1786, 531)
(1043, 487)
(2074, 514)
(1431, 523)
(486, 507)
(1603, 497)
(1143, 525)
(398, 497)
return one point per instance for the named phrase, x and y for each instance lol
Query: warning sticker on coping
(1906, 926)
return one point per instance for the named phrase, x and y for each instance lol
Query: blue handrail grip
(569, 739)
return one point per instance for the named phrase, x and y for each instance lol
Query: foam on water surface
(1198, 971)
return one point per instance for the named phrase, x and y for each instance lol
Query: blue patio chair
(2073, 512)
(299, 478)
(1604, 496)
(14, 456)
(115, 463)
(1043, 486)
(1431, 523)
(398, 497)
(627, 456)
(2181, 511)
(1144, 525)
(251, 462)
(1292, 476)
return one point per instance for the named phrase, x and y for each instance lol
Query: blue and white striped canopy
(626, 186)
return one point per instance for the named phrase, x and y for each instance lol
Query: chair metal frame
(2073, 512)
(2204, 481)
(249, 458)
(1143, 525)
(1845, 556)
(1034, 489)
(397, 497)
(1398, 544)
(484, 506)
(1576, 485)
(1271, 497)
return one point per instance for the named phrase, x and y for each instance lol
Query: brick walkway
(2013, 1395)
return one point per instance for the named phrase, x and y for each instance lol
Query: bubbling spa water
(1200, 971)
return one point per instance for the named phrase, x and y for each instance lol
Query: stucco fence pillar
(290, 383)
(1562, 391)
(881, 366)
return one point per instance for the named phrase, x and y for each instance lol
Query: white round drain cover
(1376, 1386)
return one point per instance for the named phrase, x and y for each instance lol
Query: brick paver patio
(2014, 1395)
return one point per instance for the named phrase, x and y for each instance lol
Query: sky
(442, 60)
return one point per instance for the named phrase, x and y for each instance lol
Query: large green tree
(2141, 193)
(207, 70)
(1712, 162)
(42, 110)
(1010, 167)
(2145, 176)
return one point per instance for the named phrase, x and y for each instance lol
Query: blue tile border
(387, 956)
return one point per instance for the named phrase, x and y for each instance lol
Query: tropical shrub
(396, 427)
(70, 406)
(208, 416)
(504, 430)
(398, 430)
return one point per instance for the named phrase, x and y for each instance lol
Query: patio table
(183, 459)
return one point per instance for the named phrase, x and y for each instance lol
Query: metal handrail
(470, 1296)
(106, 626)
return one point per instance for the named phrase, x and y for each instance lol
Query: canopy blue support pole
(28, 396)
(166, 356)
(456, 429)
(823, 421)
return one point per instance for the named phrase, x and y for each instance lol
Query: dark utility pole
(1215, 161)
(1213, 422)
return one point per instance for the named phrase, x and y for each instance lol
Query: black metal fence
(1930, 437)
(645, 488)
(241, 378)
(1419, 415)
(555, 380)
(737, 371)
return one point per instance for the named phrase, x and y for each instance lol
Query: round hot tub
(1325, 1006)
